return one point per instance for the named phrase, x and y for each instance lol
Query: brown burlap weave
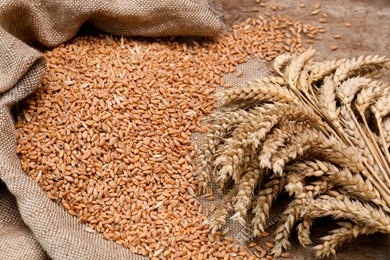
(31, 225)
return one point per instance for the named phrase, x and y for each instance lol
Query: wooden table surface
(369, 34)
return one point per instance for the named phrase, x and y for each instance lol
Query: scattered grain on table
(323, 20)
(315, 12)
(334, 47)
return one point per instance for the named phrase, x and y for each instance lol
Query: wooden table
(369, 34)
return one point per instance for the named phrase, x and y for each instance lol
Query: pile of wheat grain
(320, 132)
(108, 134)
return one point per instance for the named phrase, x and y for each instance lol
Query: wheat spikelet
(253, 133)
(303, 83)
(319, 70)
(282, 62)
(282, 233)
(218, 131)
(337, 152)
(370, 71)
(229, 156)
(314, 168)
(382, 107)
(297, 114)
(222, 124)
(295, 183)
(291, 215)
(304, 227)
(352, 184)
(355, 137)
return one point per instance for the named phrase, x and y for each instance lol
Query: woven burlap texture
(31, 225)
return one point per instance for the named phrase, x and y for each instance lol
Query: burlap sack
(31, 225)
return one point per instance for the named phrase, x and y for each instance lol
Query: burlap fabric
(31, 225)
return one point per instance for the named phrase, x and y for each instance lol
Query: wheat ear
(350, 65)
(338, 236)
(354, 210)
(224, 207)
(319, 70)
(256, 93)
(246, 188)
(277, 138)
(263, 201)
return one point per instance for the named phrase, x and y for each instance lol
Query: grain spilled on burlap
(212, 59)
(41, 228)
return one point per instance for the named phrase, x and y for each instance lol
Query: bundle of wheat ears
(319, 132)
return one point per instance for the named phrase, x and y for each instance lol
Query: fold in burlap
(31, 225)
